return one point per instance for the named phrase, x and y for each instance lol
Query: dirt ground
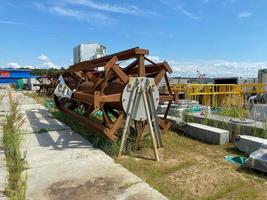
(194, 170)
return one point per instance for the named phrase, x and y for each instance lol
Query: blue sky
(216, 37)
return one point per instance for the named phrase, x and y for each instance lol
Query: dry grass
(193, 170)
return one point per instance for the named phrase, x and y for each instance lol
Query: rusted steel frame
(91, 77)
(94, 125)
(117, 124)
(159, 76)
(83, 97)
(168, 84)
(121, 75)
(130, 66)
(167, 110)
(96, 98)
(141, 66)
(86, 65)
(106, 118)
(164, 125)
(110, 98)
(109, 65)
(107, 72)
(166, 97)
(149, 68)
(104, 80)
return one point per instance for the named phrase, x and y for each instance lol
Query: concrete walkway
(63, 165)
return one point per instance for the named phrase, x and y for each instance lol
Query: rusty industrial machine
(123, 87)
(45, 85)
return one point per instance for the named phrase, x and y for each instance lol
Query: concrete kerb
(223, 122)
(200, 132)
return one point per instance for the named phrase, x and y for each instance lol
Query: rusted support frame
(166, 97)
(141, 66)
(92, 64)
(96, 98)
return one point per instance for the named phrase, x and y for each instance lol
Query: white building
(88, 51)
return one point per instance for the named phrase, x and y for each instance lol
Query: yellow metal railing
(253, 88)
(216, 94)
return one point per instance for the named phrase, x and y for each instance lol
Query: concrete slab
(55, 139)
(205, 133)
(32, 114)
(87, 180)
(59, 146)
(49, 124)
(249, 144)
(4, 107)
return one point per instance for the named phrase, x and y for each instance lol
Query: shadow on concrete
(53, 133)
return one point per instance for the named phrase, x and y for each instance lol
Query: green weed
(12, 138)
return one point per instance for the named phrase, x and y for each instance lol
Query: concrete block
(249, 144)
(258, 159)
(205, 133)
(258, 112)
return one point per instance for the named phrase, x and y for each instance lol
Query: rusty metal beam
(92, 64)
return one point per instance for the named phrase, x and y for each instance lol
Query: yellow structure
(219, 94)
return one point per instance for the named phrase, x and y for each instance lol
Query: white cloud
(244, 14)
(194, 17)
(188, 14)
(43, 58)
(47, 62)
(126, 9)
(17, 66)
(216, 68)
(50, 65)
(9, 22)
(90, 17)
(213, 68)
(155, 59)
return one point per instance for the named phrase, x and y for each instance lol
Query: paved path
(63, 165)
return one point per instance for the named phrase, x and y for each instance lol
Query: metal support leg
(150, 125)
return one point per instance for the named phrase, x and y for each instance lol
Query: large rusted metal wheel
(85, 91)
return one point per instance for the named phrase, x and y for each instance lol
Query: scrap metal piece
(62, 90)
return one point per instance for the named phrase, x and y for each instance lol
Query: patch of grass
(189, 169)
(12, 137)
(234, 111)
(38, 97)
(44, 130)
